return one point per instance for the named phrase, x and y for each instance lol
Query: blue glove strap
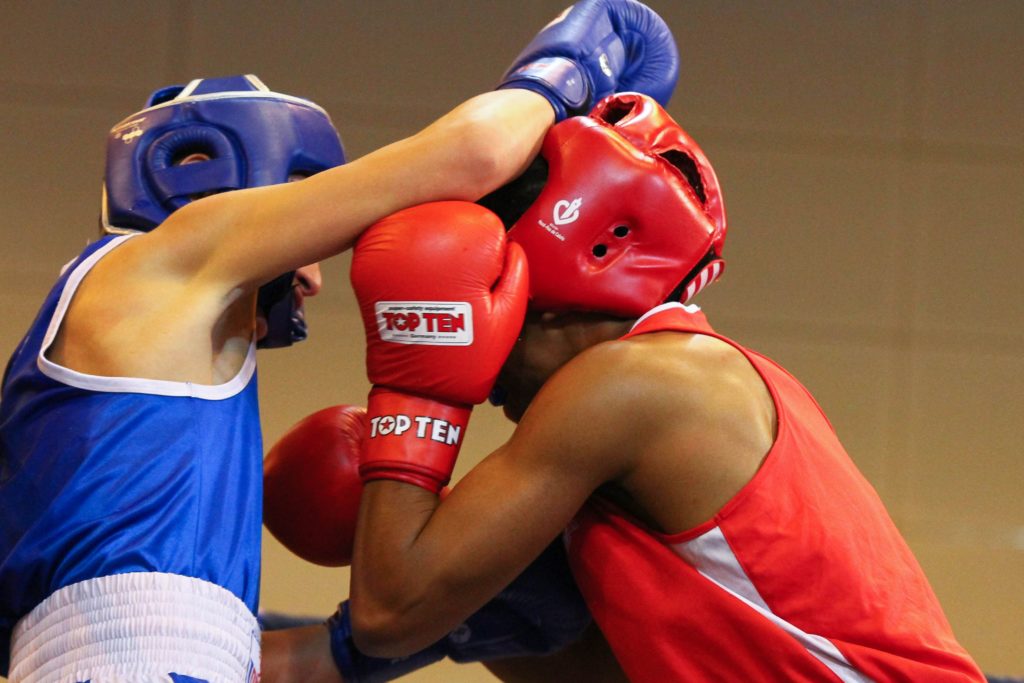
(558, 79)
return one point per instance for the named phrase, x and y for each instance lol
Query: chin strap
(286, 324)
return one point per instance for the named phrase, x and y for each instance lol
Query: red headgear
(631, 214)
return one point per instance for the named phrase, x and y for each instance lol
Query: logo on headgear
(566, 211)
(128, 130)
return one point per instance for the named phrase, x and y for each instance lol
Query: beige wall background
(872, 160)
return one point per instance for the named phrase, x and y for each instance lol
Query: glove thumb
(512, 290)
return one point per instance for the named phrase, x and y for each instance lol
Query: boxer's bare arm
(419, 568)
(249, 236)
(129, 318)
(622, 412)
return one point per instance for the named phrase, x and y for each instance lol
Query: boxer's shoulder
(129, 315)
(607, 402)
(658, 388)
(650, 368)
(686, 366)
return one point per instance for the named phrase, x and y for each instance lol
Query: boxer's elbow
(381, 630)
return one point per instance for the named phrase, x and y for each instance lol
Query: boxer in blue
(131, 465)
(130, 449)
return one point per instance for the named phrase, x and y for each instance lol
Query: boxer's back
(801, 562)
(87, 460)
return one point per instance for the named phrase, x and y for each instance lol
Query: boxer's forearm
(474, 149)
(385, 583)
(414, 579)
(482, 144)
(420, 568)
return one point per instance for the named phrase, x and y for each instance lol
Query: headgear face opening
(249, 137)
(631, 215)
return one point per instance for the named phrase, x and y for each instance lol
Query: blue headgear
(252, 137)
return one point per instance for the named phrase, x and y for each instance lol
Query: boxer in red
(714, 523)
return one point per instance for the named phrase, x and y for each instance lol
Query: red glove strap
(412, 439)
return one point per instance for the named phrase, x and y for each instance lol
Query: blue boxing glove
(595, 48)
(539, 613)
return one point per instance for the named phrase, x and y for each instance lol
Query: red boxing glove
(311, 485)
(443, 297)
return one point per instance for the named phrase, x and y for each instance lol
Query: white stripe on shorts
(136, 627)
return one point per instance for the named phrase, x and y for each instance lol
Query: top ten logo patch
(432, 323)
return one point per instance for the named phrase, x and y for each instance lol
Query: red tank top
(801, 576)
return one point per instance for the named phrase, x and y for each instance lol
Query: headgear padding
(250, 136)
(631, 214)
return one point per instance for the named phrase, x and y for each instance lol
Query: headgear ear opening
(686, 165)
(616, 111)
(174, 184)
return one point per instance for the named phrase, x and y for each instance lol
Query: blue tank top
(109, 475)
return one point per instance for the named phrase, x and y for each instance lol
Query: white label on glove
(433, 323)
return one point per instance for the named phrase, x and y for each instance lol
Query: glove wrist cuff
(339, 626)
(560, 80)
(412, 439)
